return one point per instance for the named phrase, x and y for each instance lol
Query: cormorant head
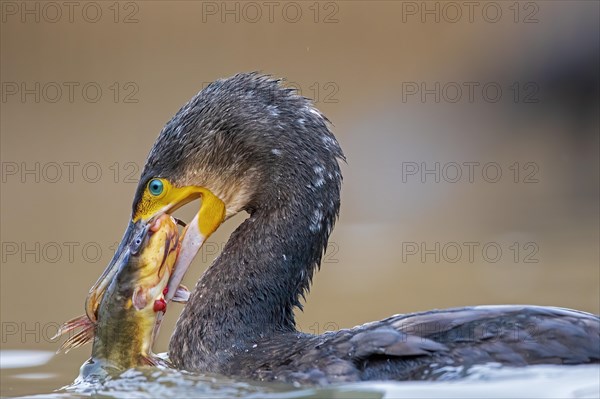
(244, 143)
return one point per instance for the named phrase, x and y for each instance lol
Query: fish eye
(155, 187)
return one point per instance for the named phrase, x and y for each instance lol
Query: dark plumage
(422, 345)
(265, 150)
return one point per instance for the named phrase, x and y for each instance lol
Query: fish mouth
(133, 241)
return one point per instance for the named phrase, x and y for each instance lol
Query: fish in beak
(124, 318)
(130, 244)
(160, 197)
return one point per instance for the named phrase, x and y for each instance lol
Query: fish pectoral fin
(148, 360)
(80, 338)
(77, 322)
(182, 294)
(139, 298)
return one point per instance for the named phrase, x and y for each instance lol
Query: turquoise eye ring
(155, 187)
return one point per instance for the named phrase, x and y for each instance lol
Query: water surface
(41, 374)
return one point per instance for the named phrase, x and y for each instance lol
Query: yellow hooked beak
(158, 198)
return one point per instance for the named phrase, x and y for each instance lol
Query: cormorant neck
(264, 149)
(252, 288)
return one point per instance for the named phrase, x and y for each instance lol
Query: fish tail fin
(80, 338)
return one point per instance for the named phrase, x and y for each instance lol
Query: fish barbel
(125, 319)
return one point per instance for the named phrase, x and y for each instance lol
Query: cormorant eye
(155, 187)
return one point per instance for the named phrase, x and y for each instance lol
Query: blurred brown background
(86, 90)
